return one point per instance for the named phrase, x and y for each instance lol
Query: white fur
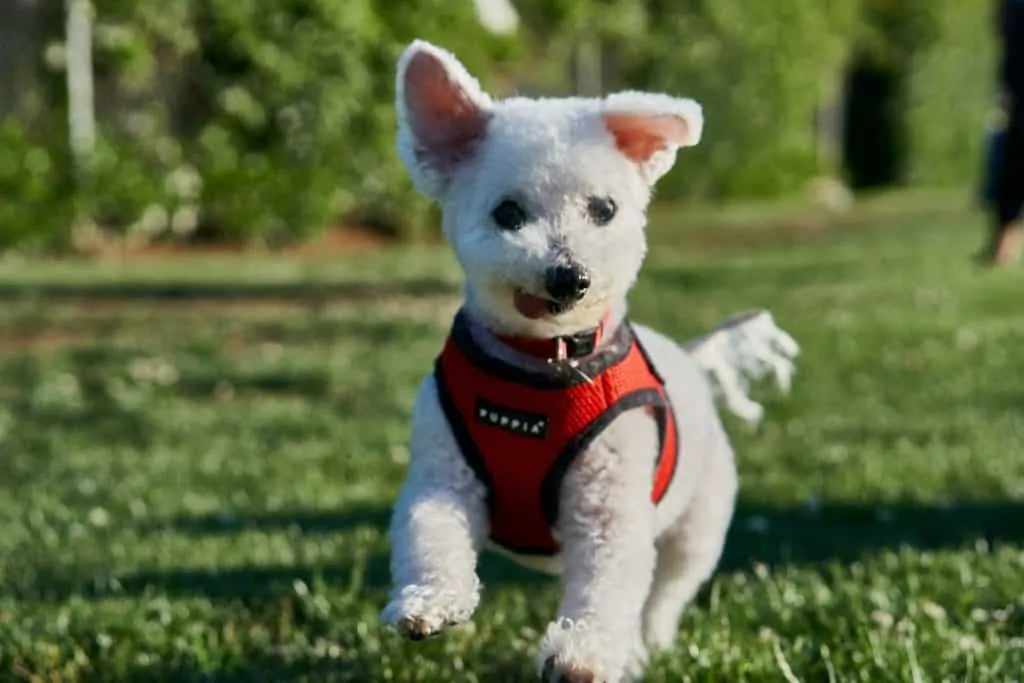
(629, 568)
(745, 347)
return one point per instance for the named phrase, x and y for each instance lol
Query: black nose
(567, 283)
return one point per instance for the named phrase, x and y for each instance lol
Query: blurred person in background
(995, 135)
(1008, 233)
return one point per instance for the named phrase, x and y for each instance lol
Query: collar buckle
(580, 345)
(561, 349)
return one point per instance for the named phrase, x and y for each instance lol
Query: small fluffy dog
(552, 427)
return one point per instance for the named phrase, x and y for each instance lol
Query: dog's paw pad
(419, 612)
(418, 628)
(557, 673)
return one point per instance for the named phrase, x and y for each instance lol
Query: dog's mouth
(535, 307)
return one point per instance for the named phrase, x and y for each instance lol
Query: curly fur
(628, 567)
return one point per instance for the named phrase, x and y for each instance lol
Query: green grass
(197, 490)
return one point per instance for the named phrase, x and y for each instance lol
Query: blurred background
(219, 294)
(272, 120)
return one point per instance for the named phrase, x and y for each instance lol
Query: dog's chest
(520, 431)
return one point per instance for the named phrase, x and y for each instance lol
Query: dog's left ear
(442, 115)
(648, 128)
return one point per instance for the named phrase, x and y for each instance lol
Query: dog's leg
(606, 528)
(689, 551)
(438, 526)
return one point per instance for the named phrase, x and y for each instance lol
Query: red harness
(519, 431)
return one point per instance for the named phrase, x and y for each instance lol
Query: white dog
(552, 427)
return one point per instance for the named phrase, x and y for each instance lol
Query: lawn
(198, 459)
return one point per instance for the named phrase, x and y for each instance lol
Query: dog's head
(544, 200)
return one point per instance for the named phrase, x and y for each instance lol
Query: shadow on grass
(264, 667)
(764, 534)
(305, 522)
(258, 668)
(169, 291)
(308, 384)
(837, 532)
(761, 534)
(250, 584)
(93, 391)
(41, 400)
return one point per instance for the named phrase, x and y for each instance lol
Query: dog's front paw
(574, 653)
(419, 628)
(556, 672)
(420, 612)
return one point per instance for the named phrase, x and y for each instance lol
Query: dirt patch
(342, 240)
(39, 342)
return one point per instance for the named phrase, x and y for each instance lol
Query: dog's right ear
(442, 115)
(648, 128)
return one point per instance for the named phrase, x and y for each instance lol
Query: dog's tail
(744, 348)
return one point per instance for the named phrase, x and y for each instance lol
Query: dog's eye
(601, 210)
(509, 215)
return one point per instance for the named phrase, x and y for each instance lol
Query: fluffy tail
(744, 348)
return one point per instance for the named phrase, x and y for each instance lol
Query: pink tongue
(532, 307)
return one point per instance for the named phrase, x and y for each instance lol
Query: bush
(767, 72)
(273, 119)
(256, 119)
(951, 92)
(763, 72)
(36, 211)
(923, 82)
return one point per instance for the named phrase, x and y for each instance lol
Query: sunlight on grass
(198, 491)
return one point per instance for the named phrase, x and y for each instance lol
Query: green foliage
(935, 61)
(291, 123)
(273, 119)
(891, 32)
(266, 119)
(286, 132)
(761, 70)
(35, 209)
(560, 25)
(951, 94)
